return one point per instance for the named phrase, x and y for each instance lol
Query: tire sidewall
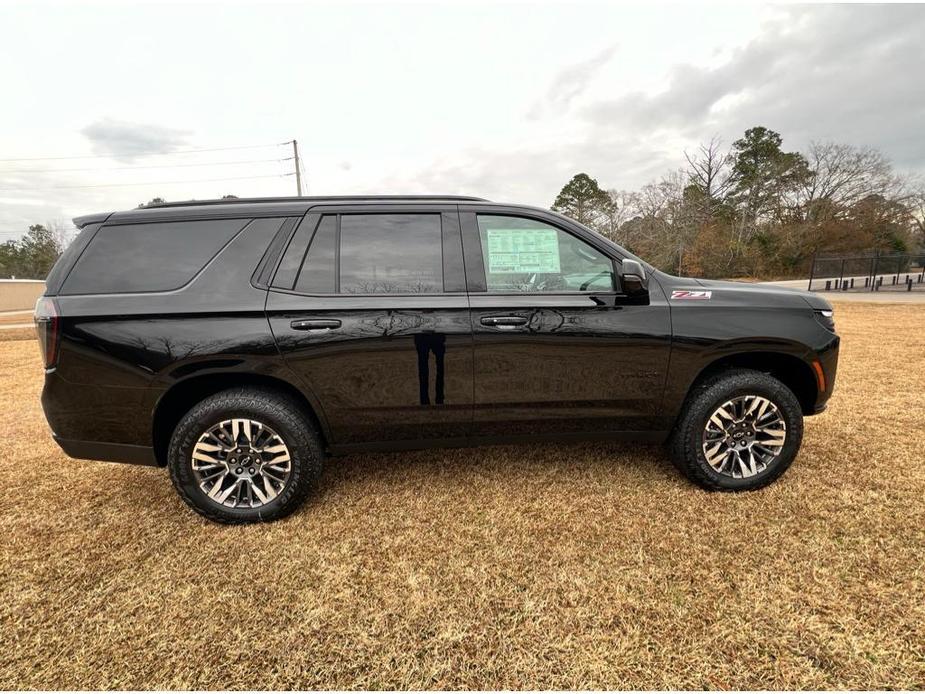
(279, 415)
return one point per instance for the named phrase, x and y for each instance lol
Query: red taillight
(47, 327)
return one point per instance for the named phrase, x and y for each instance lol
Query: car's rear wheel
(245, 455)
(740, 430)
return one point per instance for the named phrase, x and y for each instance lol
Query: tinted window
(148, 257)
(318, 272)
(523, 255)
(292, 259)
(391, 254)
(59, 271)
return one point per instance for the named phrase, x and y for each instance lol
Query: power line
(148, 166)
(30, 224)
(115, 155)
(147, 183)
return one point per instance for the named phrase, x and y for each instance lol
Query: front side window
(524, 255)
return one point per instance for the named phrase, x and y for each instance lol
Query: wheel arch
(183, 395)
(789, 369)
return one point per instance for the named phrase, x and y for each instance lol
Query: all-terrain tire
(686, 443)
(284, 415)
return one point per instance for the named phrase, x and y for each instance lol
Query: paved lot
(536, 567)
(884, 296)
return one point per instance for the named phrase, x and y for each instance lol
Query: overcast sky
(502, 101)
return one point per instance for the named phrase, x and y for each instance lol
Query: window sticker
(513, 251)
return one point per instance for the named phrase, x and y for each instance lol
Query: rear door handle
(504, 322)
(315, 324)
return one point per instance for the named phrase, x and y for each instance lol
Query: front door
(374, 320)
(558, 348)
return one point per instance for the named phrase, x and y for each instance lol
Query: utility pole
(298, 169)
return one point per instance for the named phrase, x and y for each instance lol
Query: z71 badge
(687, 294)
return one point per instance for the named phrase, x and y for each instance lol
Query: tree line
(755, 210)
(752, 210)
(32, 256)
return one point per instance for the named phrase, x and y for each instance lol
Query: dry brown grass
(17, 318)
(12, 334)
(545, 566)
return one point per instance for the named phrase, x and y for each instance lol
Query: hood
(755, 294)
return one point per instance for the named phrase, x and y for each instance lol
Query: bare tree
(621, 207)
(917, 206)
(663, 224)
(709, 168)
(844, 175)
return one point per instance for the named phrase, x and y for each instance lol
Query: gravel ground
(553, 566)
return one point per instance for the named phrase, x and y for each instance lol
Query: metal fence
(871, 272)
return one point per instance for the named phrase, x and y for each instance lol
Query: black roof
(265, 207)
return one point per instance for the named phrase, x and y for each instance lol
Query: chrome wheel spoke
(216, 489)
(772, 437)
(743, 436)
(722, 416)
(271, 474)
(241, 463)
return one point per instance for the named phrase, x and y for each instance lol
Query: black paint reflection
(425, 343)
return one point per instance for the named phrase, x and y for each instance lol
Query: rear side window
(71, 253)
(318, 273)
(391, 254)
(148, 257)
(367, 254)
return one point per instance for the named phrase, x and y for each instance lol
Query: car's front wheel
(244, 455)
(740, 430)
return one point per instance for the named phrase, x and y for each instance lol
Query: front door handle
(504, 322)
(315, 324)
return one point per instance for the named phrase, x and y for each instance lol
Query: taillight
(47, 325)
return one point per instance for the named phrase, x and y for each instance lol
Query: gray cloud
(847, 73)
(126, 141)
(570, 83)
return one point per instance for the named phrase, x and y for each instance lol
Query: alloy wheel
(241, 463)
(744, 436)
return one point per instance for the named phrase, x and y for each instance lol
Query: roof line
(309, 199)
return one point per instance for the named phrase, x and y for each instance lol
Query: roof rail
(313, 198)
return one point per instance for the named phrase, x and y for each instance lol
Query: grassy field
(540, 567)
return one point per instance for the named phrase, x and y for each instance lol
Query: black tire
(284, 415)
(687, 442)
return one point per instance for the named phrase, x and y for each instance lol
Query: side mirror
(633, 277)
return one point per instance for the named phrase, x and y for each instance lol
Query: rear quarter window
(148, 257)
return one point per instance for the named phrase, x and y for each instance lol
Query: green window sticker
(513, 251)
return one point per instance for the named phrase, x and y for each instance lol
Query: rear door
(368, 306)
(558, 347)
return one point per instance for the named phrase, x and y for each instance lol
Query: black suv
(238, 343)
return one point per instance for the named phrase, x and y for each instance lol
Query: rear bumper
(97, 422)
(110, 452)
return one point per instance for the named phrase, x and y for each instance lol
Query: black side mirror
(633, 277)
